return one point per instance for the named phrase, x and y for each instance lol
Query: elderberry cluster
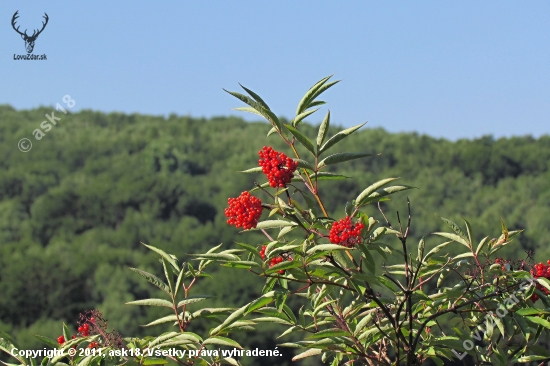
(244, 211)
(275, 260)
(92, 323)
(540, 270)
(83, 331)
(345, 233)
(278, 167)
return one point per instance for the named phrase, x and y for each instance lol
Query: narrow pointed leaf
(299, 118)
(257, 169)
(270, 224)
(164, 255)
(248, 110)
(339, 136)
(152, 279)
(308, 353)
(309, 96)
(457, 238)
(222, 341)
(341, 157)
(301, 138)
(255, 96)
(371, 189)
(323, 128)
(152, 302)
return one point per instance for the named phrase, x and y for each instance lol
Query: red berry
(278, 167)
(540, 270)
(345, 233)
(60, 340)
(262, 252)
(244, 211)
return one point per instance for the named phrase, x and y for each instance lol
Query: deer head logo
(29, 40)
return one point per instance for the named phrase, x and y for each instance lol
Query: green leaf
(222, 341)
(326, 247)
(308, 353)
(301, 138)
(233, 317)
(178, 282)
(272, 319)
(531, 311)
(255, 96)
(340, 157)
(540, 321)
(168, 275)
(48, 341)
(162, 338)
(6, 345)
(283, 266)
(266, 113)
(327, 176)
(299, 118)
(310, 95)
(164, 255)
(481, 244)
(86, 361)
(457, 230)
(241, 264)
(338, 137)
(334, 332)
(152, 302)
(250, 110)
(272, 131)
(525, 359)
(371, 189)
(66, 332)
(169, 318)
(435, 250)
(421, 246)
(469, 230)
(154, 361)
(257, 169)
(210, 313)
(192, 300)
(216, 256)
(152, 279)
(454, 237)
(252, 249)
(544, 282)
(270, 224)
(304, 164)
(323, 128)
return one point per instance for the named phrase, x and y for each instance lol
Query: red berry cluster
(275, 260)
(84, 330)
(244, 211)
(278, 167)
(540, 270)
(93, 345)
(345, 233)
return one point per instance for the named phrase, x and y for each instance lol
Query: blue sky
(449, 69)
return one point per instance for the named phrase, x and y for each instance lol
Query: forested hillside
(74, 209)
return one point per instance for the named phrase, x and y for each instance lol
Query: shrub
(360, 300)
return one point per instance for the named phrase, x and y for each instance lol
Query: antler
(34, 34)
(15, 16)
